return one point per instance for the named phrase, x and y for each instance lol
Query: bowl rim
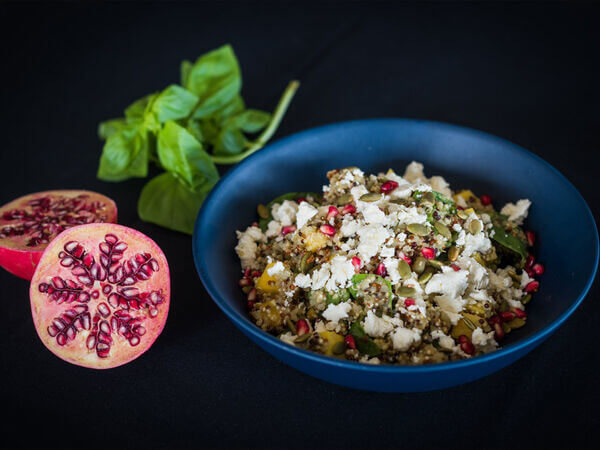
(246, 326)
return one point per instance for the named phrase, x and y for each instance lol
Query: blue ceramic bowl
(567, 235)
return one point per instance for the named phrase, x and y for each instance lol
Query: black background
(525, 72)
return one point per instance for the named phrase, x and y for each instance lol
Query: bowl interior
(567, 240)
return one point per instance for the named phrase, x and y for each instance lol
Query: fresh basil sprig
(185, 130)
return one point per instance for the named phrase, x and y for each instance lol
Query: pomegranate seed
(455, 267)
(252, 295)
(520, 313)
(531, 273)
(381, 270)
(494, 319)
(250, 304)
(498, 331)
(349, 341)
(538, 269)
(302, 327)
(530, 238)
(532, 286)
(348, 209)
(245, 282)
(256, 274)
(460, 207)
(529, 261)
(486, 200)
(409, 302)
(333, 211)
(406, 258)
(288, 229)
(507, 316)
(428, 252)
(300, 200)
(247, 272)
(327, 229)
(462, 339)
(356, 262)
(388, 187)
(467, 347)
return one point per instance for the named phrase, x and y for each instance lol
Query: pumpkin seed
(404, 270)
(290, 325)
(419, 265)
(428, 197)
(307, 262)
(305, 337)
(370, 197)
(463, 215)
(506, 328)
(526, 299)
(435, 264)
(339, 348)
(453, 253)
(404, 291)
(425, 277)
(477, 257)
(475, 227)
(517, 322)
(469, 323)
(344, 199)
(443, 230)
(263, 211)
(418, 228)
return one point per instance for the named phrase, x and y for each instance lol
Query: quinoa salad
(389, 269)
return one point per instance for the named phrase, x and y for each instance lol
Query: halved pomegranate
(100, 295)
(29, 223)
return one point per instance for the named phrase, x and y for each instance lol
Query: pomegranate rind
(44, 310)
(21, 260)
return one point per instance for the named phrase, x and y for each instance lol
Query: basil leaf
(229, 142)
(336, 297)
(250, 121)
(167, 202)
(109, 127)
(510, 241)
(179, 152)
(363, 342)
(173, 103)
(359, 277)
(185, 69)
(235, 106)
(216, 79)
(125, 154)
(138, 108)
(441, 198)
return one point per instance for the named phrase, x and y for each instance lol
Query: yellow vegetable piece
(268, 313)
(469, 211)
(465, 194)
(331, 339)
(314, 239)
(266, 282)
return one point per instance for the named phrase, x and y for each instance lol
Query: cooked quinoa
(388, 269)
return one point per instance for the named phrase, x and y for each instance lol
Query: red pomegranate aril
(538, 269)
(530, 237)
(348, 209)
(327, 229)
(288, 229)
(529, 261)
(428, 252)
(132, 301)
(333, 211)
(350, 342)
(455, 267)
(462, 339)
(247, 272)
(409, 302)
(467, 347)
(494, 319)
(507, 316)
(381, 270)
(388, 187)
(520, 313)
(256, 274)
(300, 200)
(486, 200)
(245, 282)
(357, 263)
(406, 258)
(532, 286)
(302, 327)
(498, 331)
(252, 295)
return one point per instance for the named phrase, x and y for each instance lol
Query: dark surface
(523, 72)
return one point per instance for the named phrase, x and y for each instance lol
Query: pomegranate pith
(29, 223)
(100, 295)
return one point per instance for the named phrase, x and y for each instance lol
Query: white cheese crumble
(247, 248)
(403, 338)
(516, 213)
(302, 281)
(305, 212)
(379, 326)
(285, 212)
(372, 238)
(273, 229)
(334, 313)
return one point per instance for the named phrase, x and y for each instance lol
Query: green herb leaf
(185, 69)
(363, 342)
(336, 297)
(109, 127)
(510, 241)
(232, 108)
(138, 108)
(250, 121)
(174, 103)
(216, 79)
(167, 202)
(125, 154)
(441, 198)
(180, 153)
(230, 141)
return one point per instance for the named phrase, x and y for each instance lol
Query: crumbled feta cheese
(484, 341)
(476, 243)
(525, 279)
(372, 238)
(334, 313)
(276, 269)
(516, 212)
(372, 214)
(349, 226)
(285, 212)
(478, 275)
(273, 229)
(302, 281)
(387, 252)
(357, 192)
(246, 248)
(377, 327)
(305, 212)
(342, 270)
(288, 338)
(320, 277)
(449, 282)
(410, 214)
(403, 338)
(444, 340)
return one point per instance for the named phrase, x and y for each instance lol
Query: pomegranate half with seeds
(100, 295)
(29, 223)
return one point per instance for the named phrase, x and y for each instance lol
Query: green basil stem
(264, 137)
